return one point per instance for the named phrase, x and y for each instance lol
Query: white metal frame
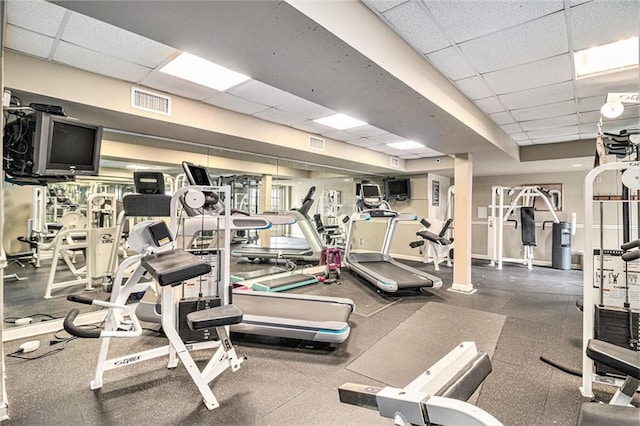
(499, 216)
(588, 374)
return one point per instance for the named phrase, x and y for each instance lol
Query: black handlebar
(630, 244)
(80, 299)
(236, 211)
(631, 255)
(74, 330)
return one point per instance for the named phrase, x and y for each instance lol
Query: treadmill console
(371, 195)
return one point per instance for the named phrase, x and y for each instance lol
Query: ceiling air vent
(394, 162)
(149, 101)
(316, 143)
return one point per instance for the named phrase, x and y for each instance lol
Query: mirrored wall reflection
(75, 222)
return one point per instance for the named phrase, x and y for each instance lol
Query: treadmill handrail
(311, 297)
(284, 321)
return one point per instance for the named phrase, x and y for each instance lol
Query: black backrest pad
(174, 266)
(622, 359)
(467, 380)
(147, 205)
(528, 220)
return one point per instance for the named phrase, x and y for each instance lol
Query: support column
(463, 180)
(265, 205)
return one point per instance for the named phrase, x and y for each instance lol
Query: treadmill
(380, 268)
(304, 317)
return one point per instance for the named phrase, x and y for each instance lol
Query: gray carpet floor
(528, 314)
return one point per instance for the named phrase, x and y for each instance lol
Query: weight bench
(169, 268)
(436, 396)
(618, 412)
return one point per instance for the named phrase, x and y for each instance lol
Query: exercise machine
(379, 268)
(169, 267)
(434, 247)
(435, 397)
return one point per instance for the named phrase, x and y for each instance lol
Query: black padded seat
(625, 360)
(432, 236)
(594, 414)
(174, 266)
(214, 317)
(154, 205)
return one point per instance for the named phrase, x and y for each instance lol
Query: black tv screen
(196, 175)
(398, 189)
(71, 144)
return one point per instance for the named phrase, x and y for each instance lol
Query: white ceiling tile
(601, 22)
(538, 96)
(113, 41)
(566, 138)
(280, 117)
(512, 128)
(591, 103)
(528, 42)
(39, 16)
(625, 81)
(490, 105)
(305, 108)
(590, 117)
(312, 127)
(261, 93)
(450, 63)
(177, 86)
(469, 19)
(549, 123)
(89, 60)
(413, 24)
(519, 137)
(25, 41)
(574, 3)
(234, 103)
(367, 131)
(502, 118)
(545, 111)
(363, 142)
(527, 76)
(386, 138)
(553, 133)
(341, 135)
(586, 135)
(474, 88)
(380, 148)
(382, 5)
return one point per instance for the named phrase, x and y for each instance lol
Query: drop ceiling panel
(512, 128)
(340, 135)
(312, 127)
(39, 16)
(382, 5)
(465, 20)
(89, 60)
(177, 86)
(384, 139)
(502, 118)
(519, 137)
(602, 22)
(261, 93)
(549, 123)
(304, 108)
(451, 63)
(234, 103)
(490, 105)
(592, 103)
(280, 117)
(22, 40)
(104, 38)
(528, 76)
(363, 142)
(367, 131)
(474, 88)
(538, 96)
(590, 117)
(625, 81)
(545, 111)
(514, 46)
(555, 139)
(413, 24)
(550, 133)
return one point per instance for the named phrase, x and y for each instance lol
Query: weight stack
(185, 307)
(612, 326)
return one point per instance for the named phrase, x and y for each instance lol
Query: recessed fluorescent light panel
(405, 145)
(340, 121)
(200, 71)
(606, 58)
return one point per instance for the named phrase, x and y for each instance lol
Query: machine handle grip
(631, 255)
(80, 299)
(630, 244)
(424, 222)
(74, 330)
(547, 221)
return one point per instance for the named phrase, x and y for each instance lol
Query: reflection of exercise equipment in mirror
(169, 267)
(522, 199)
